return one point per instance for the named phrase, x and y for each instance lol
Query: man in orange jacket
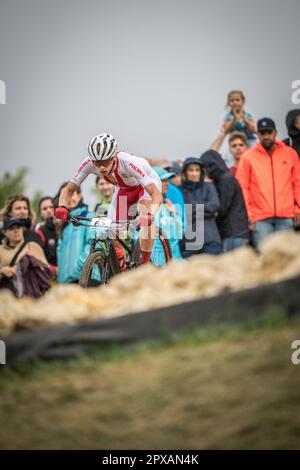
(269, 175)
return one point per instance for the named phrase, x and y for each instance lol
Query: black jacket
(294, 135)
(232, 217)
(200, 193)
(47, 232)
(32, 236)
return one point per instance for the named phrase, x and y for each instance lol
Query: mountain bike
(102, 262)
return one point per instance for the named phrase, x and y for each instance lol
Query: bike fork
(107, 261)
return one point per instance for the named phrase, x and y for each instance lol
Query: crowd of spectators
(212, 203)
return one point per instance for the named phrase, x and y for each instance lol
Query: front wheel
(92, 274)
(161, 251)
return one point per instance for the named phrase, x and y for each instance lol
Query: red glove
(145, 221)
(61, 212)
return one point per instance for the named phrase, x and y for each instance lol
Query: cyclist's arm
(83, 171)
(66, 194)
(156, 197)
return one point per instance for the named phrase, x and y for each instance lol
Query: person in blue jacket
(174, 194)
(74, 244)
(169, 219)
(201, 207)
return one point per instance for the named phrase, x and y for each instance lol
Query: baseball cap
(266, 124)
(174, 167)
(163, 174)
(10, 221)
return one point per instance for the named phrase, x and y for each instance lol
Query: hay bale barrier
(149, 288)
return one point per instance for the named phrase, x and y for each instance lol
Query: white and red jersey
(130, 172)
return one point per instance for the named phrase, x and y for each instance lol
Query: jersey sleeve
(83, 171)
(141, 170)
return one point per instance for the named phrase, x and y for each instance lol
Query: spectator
(48, 232)
(106, 191)
(293, 127)
(169, 218)
(232, 220)
(19, 206)
(269, 175)
(176, 168)
(74, 245)
(13, 249)
(237, 146)
(195, 192)
(174, 194)
(237, 119)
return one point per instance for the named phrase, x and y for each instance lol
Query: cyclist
(136, 183)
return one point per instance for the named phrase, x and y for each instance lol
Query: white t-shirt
(130, 171)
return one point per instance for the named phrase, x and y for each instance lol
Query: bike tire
(94, 259)
(136, 254)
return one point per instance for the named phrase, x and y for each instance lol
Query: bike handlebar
(75, 219)
(78, 217)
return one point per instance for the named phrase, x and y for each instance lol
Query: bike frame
(108, 242)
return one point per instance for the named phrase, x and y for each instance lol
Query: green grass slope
(217, 388)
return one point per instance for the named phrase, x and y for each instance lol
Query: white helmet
(102, 147)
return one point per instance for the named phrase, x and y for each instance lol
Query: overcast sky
(155, 74)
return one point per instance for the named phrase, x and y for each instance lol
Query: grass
(217, 387)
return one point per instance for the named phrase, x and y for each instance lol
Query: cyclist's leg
(114, 214)
(147, 234)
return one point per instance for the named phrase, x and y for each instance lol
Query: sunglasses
(104, 163)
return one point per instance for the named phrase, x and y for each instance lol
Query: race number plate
(103, 222)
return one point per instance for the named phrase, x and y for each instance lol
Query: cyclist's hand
(144, 221)
(61, 213)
